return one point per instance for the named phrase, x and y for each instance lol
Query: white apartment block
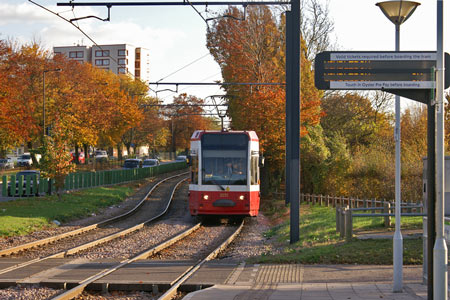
(119, 59)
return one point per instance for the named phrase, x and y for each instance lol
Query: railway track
(151, 252)
(104, 226)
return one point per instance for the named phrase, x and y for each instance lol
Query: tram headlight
(241, 197)
(205, 197)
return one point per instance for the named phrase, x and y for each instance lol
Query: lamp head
(398, 11)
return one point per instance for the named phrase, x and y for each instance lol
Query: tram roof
(197, 135)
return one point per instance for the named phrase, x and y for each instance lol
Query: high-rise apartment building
(119, 58)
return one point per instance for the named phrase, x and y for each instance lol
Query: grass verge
(320, 244)
(22, 216)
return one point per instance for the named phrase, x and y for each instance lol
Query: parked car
(151, 162)
(100, 155)
(180, 158)
(24, 160)
(26, 174)
(6, 163)
(81, 158)
(132, 163)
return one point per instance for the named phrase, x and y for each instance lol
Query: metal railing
(24, 184)
(346, 206)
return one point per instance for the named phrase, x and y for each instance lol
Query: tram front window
(227, 169)
(224, 159)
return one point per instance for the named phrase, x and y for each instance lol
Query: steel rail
(170, 293)
(104, 239)
(74, 292)
(83, 229)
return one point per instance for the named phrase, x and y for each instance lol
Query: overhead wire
(79, 29)
(192, 62)
(77, 26)
(189, 87)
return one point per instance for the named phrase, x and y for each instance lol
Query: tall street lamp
(43, 94)
(397, 12)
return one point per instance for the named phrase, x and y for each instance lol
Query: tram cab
(224, 173)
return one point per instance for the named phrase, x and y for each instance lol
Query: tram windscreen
(224, 159)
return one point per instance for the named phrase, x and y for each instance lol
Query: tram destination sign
(369, 70)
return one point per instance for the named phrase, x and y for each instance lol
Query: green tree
(55, 162)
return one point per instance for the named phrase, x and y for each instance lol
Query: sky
(176, 36)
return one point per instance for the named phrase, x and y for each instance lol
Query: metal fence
(25, 185)
(348, 208)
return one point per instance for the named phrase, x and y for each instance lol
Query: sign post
(411, 75)
(389, 71)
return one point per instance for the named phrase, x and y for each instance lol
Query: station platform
(318, 282)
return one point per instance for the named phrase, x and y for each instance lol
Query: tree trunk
(128, 146)
(119, 151)
(86, 153)
(77, 156)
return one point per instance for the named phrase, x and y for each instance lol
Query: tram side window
(194, 170)
(254, 170)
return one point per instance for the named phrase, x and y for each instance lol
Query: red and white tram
(224, 173)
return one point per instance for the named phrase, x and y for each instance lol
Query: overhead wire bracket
(95, 17)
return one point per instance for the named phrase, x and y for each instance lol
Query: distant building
(120, 58)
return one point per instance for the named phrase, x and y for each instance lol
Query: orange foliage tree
(184, 118)
(94, 104)
(252, 50)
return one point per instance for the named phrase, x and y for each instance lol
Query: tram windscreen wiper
(216, 183)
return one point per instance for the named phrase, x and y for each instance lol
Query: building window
(122, 70)
(76, 54)
(102, 62)
(137, 73)
(57, 53)
(122, 52)
(122, 61)
(101, 53)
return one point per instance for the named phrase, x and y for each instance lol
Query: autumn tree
(22, 69)
(55, 162)
(184, 117)
(253, 50)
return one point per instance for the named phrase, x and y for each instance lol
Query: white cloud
(28, 13)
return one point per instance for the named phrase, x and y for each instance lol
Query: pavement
(318, 282)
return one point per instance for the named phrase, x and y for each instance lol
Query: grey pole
(43, 102)
(288, 87)
(293, 180)
(398, 239)
(440, 248)
(431, 194)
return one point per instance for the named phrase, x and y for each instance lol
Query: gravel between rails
(176, 220)
(21, 292)
(197, 245)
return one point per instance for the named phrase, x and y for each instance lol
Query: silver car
(151, 162)
(6, 163)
